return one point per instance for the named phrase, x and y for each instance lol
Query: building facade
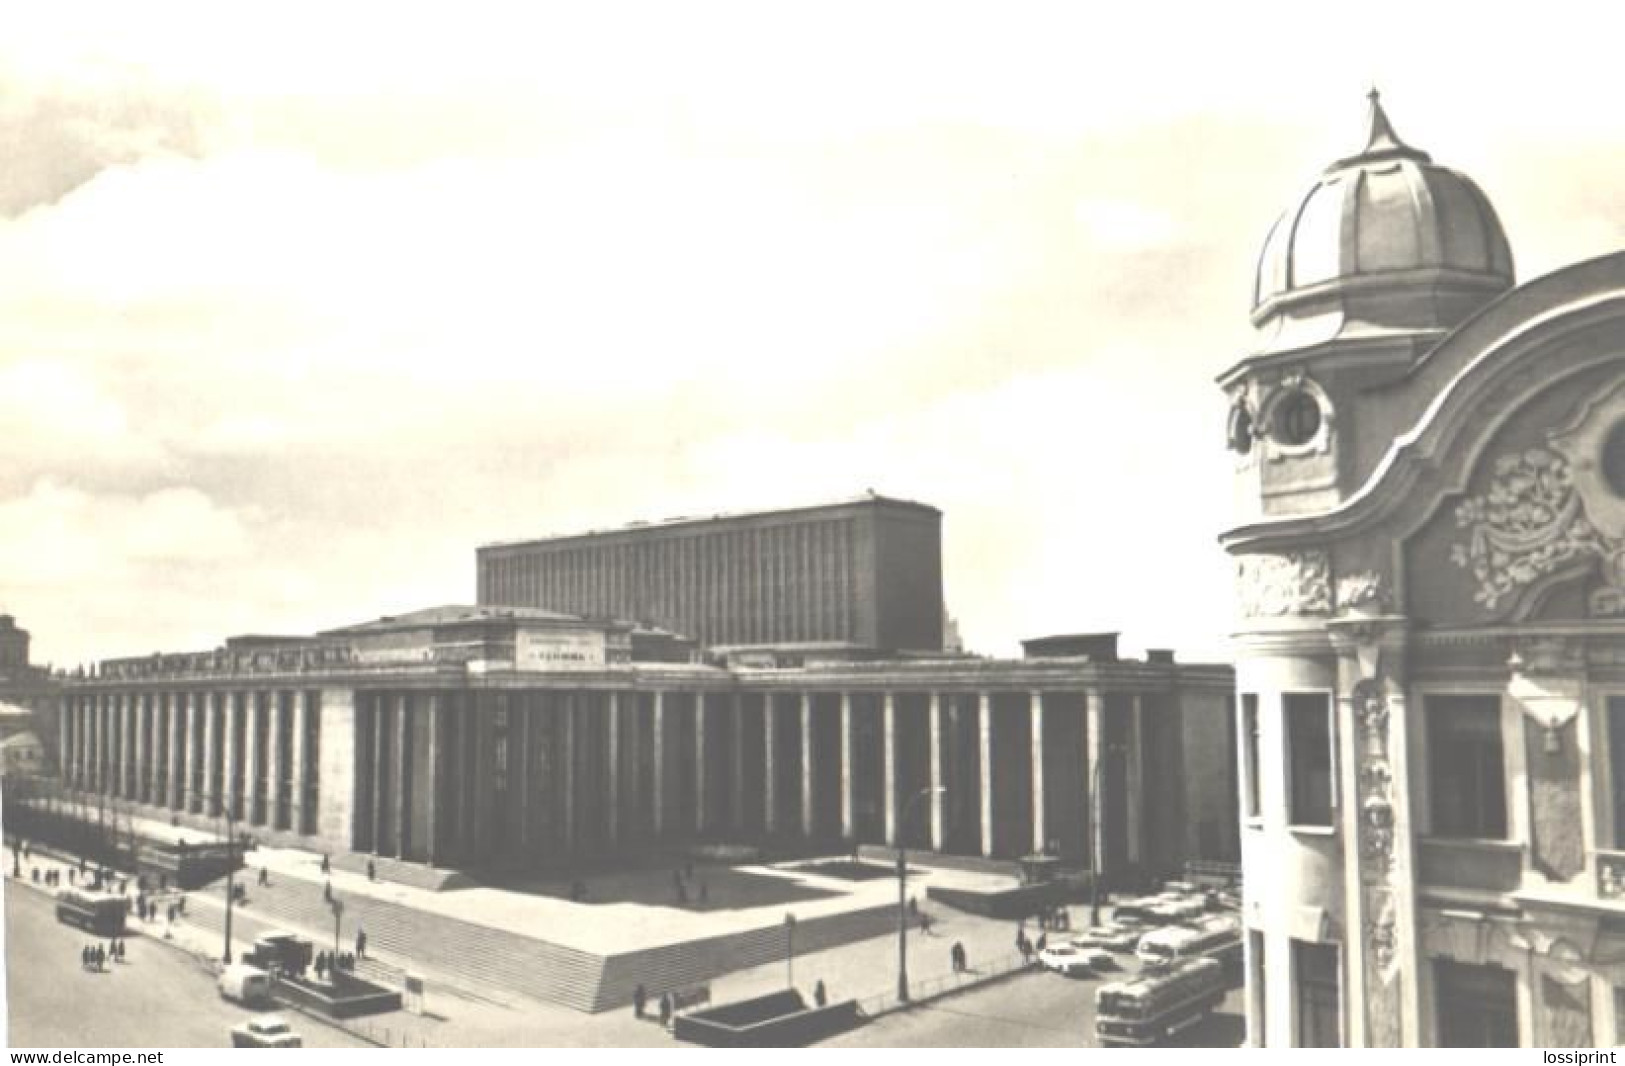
(866, 574)
(480, 737)
(1430, 562)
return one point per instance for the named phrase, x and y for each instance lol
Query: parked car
(267, 1030)
(1070, 960)
(1111, 936)
(245, 984)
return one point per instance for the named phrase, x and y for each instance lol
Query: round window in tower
(1296, 419)
(1613, 458)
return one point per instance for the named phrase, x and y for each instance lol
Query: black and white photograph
(894, 525)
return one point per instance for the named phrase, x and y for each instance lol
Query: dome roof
(1386, 237)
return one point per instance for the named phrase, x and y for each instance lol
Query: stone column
(770, 764)
(273, 759)
(809, 822)
(984, 723)
(739, 760)
(377, 708)
(1094, 740)
(64, 736)
(939, 784)
(613, 815)
(251, 757)
(1134, 760)
(138, 748)
(403, 774)
(1035, 703)
(153, 735)
(177, 748)
(701, 785)
(889, 765)
(660, 762)
(210, 800)
(126, 746)
(299, 779)
(189, 763)
(432, 821)
(231, 792)
(848, 826)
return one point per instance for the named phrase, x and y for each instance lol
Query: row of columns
(473, 775)
(249, 753)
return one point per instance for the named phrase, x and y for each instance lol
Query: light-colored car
(248, 985)
(1111, 936)
(267, 1030)
(1070, 960)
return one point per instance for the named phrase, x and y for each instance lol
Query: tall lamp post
(902, 890)
(231, 874)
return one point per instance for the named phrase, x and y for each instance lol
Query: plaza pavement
(865, 970)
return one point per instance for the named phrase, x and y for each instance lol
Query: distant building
(22, 755)
(13, 646)
(1430, 563)
(865, 574)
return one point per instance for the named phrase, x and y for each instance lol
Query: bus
(1158, 1003)
(101, 913)
(1218, 937)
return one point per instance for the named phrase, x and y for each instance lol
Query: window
(1309, 737)
(1315, 968)
(1297, 418)
(1466, 775)
(1249, 769)
(1477, 1005)
(1613, 459)
(1616, 763)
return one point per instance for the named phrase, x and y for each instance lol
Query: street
(160, 997)
(1038, 1009)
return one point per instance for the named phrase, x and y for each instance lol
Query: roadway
(1040, 1009)
(159, 998)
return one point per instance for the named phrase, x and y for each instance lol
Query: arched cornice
(1534, 338)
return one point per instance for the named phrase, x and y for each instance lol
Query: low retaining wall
(358, 998)
(780, 1019)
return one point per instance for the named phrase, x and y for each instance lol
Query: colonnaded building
(1431, 665)
(504, 735)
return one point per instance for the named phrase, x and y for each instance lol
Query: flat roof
(868, 499)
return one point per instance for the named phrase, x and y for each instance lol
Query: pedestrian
(84, 957)
(265, 877)
(640, 999)
(327, 892)
(372, 870)
(98, 957)
(1043, 942)
(327, 866)
(953, 958)
(360, 943)
(925, 923)
(914, 906)
(665, 1008)
(820, 995)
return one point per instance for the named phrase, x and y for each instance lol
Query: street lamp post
(231, 875)
(902, 891)
(338, 913)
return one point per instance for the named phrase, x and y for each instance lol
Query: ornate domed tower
(1368, 269)
(1430, 598)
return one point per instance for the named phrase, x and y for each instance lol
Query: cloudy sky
(298, 307)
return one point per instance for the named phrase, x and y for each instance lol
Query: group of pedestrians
(680, 880)
(96, 957)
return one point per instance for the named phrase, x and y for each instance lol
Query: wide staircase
(496, 964)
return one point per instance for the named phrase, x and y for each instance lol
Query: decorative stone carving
(1610, 876)
(1382, 941)
(1363, 591)
(1528, 525)
(1291, 583)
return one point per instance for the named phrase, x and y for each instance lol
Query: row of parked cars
(1182, 921)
